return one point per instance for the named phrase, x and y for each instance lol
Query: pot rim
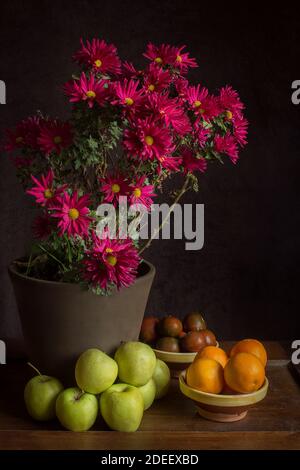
(13, 272)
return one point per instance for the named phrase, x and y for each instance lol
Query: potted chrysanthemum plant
(130, 130)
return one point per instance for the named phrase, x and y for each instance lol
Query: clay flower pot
(60, 320)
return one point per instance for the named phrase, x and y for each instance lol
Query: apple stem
(34, 368)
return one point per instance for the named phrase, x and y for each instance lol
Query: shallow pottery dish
(177, 361)
(222, 408)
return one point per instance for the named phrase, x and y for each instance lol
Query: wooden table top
(171, 423)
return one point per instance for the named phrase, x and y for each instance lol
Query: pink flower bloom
(195, 95)
(142, 193)
(15, 138)
(55, 136)
(130, 72)
(209, 109)
(42, 227)
(227, 145)
(87, 89)
(181, 85)
(169, 163)
(170, 111)
(99, 55)
(161, 55)
(240, 130)
(156, 79)
(111, 262)
(44, 191)
(183, 61)
(113, 187)
(127, 95)
(193, 163)
(148, 140)
(202, 135)
(73, 214)
(230, 102)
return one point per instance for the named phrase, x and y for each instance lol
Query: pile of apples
(120, 389)
(173, 335)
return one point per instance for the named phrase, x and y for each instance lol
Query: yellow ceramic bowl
(177, 361)
(223, 408)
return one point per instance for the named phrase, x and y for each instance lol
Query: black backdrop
(245, 278)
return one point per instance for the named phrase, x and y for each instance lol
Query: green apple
(76, 410)
(136, 363)
(95, 371)
(40, 396)
(122, 407)
(162, 378)
(148, 392)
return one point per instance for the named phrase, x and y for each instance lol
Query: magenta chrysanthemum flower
(44, 191)
(240, 130)
(55, 136)
(111, 262)
(169, 163)
(170, 111)
(148, 140)
(113, 187)
(99, 55)
(127, 94)
(24, 135)
(183, 61)
(73, 214)
(156, 79)
(230, 102)
(161, 55)
(87, 89)
(142, 193)
(42, 227)
(227, 144)
(15, 138)
(181, 85)
(193, 163)
(195, 95)
(202, 135)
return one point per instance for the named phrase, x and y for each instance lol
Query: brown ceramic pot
(60, 320)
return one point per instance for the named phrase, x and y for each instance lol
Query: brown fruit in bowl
(170, 326)
(193, 341)
(210, 338)
(148, 332)
(167, 343)
(194, 321)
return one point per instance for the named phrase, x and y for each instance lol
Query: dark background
(245, 279)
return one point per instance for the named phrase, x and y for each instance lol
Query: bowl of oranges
(176, 341)
(224, 386)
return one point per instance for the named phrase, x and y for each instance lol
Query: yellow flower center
(19, 140)
(149, 140)
(197, 104)
(73, 213)
(112, 260)
(137, 192)
(229, 115)
(179, 58)
(202, 111)
(48, 193)
(128, 101)
(91, 94)
(115, 188)
(151, 87)
(108, 250)
(57, 139)
(158, 60)
(98, 63)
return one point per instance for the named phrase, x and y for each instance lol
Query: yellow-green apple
(76, 410)
(136, 362)
(148, 392)
(162, 378)
(122, 407)
(95, 371)
(40, 396)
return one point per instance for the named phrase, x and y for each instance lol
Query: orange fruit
(212, 352)
(206, 375)
(252, 346)
(244, 373)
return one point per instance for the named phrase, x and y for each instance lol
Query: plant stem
(33, 367)
(178, 197)
(52, 256)
(29, 264)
